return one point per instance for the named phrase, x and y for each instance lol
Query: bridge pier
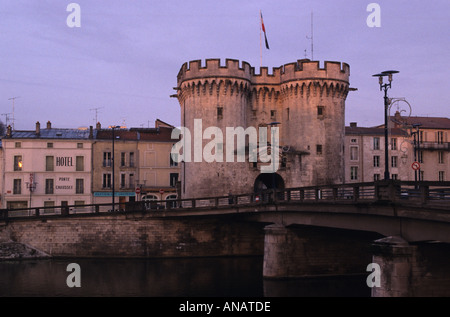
(409, 270)
(304, 251)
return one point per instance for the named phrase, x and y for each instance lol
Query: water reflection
(208, 277)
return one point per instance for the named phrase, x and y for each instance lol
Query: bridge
(309, 231)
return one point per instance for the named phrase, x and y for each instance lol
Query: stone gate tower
(306, 101)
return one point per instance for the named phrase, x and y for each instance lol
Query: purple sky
(126, 55)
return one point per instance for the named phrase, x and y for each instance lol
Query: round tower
(212, 96)
(306, 103)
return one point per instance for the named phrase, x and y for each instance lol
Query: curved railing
(428, 193)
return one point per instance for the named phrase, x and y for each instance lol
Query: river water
(194, 277)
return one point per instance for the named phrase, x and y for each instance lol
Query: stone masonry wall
(139, 236)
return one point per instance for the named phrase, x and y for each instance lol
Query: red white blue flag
(264, 30)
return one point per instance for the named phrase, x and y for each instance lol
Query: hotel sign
(63, 184)
(64, 161)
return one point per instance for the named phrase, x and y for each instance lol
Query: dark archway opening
(267, 181)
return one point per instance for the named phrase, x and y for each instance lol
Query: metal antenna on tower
(13, 99)
(96, 113)
(312, 37)
(6, 118)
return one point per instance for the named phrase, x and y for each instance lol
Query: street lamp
(385, 87)
(416, 148)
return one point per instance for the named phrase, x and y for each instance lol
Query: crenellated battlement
(303, 69)
(306, 98)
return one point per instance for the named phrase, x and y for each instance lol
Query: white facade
(52, 168)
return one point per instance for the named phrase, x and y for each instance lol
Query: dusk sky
(125, 57)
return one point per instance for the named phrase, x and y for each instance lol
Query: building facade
(66, 167)
(413, 139)
(306, 102)
(140, 166)
(47, 167)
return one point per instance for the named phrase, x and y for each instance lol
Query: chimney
(91, 132)
(49, 125)
(98, 126)
(8, 131)
(38, 128)
(353, 124)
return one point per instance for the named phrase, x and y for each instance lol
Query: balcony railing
(445, 146)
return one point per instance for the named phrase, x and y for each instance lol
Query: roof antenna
(13, 99)
(312, 37)
(96, 113)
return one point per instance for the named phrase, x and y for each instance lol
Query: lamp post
(385, 87)
(416, 148)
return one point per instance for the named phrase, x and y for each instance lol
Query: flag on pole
(264, 30)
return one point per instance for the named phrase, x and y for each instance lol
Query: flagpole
(260, 38)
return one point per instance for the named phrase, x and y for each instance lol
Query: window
(131, 159)
(106, 180)
(219, 112)
(354, 141)
(376, 177)
(79, 145)
(79, 184)
(287, 113)
(376, 161)
(376, 143)
(106, 159)
(273, 114)
(440, 137)
(122, 159)
(441, 157)
(394, 160)
(319, 149)
(80, 163)
(131, 179)
(17, 187)
(50, 145)
(49, 163)
(394, 176)
(354, 173)
(173, 179)
(18, 163)
(320, 110)
(393, 143)
(353, 153)
(49, 186)
(49, 204)
(123, 180)
(18, 145)
(173, 163)
(441, 176)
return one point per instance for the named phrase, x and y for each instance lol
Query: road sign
(415, 166)
(138, 190)
(161, 191)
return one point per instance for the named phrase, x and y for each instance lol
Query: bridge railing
(391, 191)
